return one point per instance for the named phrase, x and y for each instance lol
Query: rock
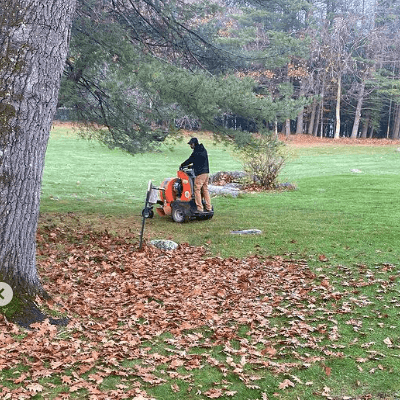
(164, 244)
(227, 176)
(247, 232)
(230, 189)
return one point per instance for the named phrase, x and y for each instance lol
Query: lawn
(309, 309)
(342, 214)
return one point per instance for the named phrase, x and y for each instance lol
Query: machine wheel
(178, 214)
(147, 212)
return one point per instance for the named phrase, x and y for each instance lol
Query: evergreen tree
(134, 67)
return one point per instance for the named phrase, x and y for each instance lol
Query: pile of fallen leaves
(121, 302)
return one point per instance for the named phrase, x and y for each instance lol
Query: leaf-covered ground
(303, 140)
(146, 318)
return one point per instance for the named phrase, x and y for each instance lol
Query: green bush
(263, 158)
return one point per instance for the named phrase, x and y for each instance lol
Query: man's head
(193, 142)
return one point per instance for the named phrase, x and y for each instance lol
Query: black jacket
(199, 159)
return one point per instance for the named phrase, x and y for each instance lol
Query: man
(199, 159)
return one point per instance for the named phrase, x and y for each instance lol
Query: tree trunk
(321, 106)
(357, 117)
(321, 118)
(389, 119)
(396, 128)
(370, 134)
(364, 131)
(287, 127)
(300, 121)
(33, 43)
(338, 96)
(300, 115)
(276, 128)
(316, 123)
(312, 118)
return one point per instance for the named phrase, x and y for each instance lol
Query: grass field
(342, 214)
(329, 328)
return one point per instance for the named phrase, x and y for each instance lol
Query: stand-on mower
(176, 198)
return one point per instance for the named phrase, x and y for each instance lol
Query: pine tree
(120, 71)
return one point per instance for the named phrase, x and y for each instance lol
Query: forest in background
(143, 68)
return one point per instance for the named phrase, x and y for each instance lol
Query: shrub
(263, 158)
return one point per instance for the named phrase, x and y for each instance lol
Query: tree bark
(396, 128)
(364, 131)
(300, 121)
(287, 127)
(312, 118)
(338, 96)
(276, 128)
(33, 43)
(357, 117)
(321, 106)
(300, 115)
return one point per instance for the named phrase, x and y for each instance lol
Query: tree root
(29, 313)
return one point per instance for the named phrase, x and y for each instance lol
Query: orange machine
(176, 198)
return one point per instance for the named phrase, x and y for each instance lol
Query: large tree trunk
(396, 128)
(287, 127)
(316, 123)
(312, 118)
(33, 43)
(321, 118)
(357, 117)
(300, 121)
(300, 115)
(276, 128)
(338, 96)
(321, 107)
(365, 127)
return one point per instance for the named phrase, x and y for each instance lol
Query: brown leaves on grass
(303, 140)
(123, 303)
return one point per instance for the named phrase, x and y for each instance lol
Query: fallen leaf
(35, 387)
(214, 393)
(175, 388)
(285, 384)
(388, 342)
(20, 379)
(66, 379)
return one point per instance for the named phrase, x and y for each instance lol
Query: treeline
(327, 68)
(344, 58)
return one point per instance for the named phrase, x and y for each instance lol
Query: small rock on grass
(164, 244)
(247, 232)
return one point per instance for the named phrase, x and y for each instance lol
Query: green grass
(348, 217)
(343, 223)
(84, 176)
(336, 212)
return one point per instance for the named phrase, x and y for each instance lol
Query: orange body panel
(168, 193)
(186, 186)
